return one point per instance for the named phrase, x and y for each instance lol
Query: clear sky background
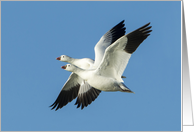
(33, 34)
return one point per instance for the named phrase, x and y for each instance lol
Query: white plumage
(76, 86)
(107, 75)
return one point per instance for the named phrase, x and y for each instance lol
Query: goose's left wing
(117, 55)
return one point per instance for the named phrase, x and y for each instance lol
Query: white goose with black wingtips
(76, 86)
(107, 76)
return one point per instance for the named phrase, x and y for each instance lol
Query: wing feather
(86, 95)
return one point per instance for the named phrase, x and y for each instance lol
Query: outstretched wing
(68, 92)
(107, 39)
(117, 55)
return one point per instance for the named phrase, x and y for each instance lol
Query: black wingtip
(117, 31)
(146, 25)
(122, 21)
(64, 97)
(136, 37)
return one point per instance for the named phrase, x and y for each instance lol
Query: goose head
(69, 67)
(63, 58)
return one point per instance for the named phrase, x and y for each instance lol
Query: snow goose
(75, 86)
(107, 76)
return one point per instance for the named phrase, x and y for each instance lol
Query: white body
(107, 75)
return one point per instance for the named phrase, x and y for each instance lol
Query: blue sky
(33, 34)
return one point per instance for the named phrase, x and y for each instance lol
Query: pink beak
(58, 58)
(64, 67)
